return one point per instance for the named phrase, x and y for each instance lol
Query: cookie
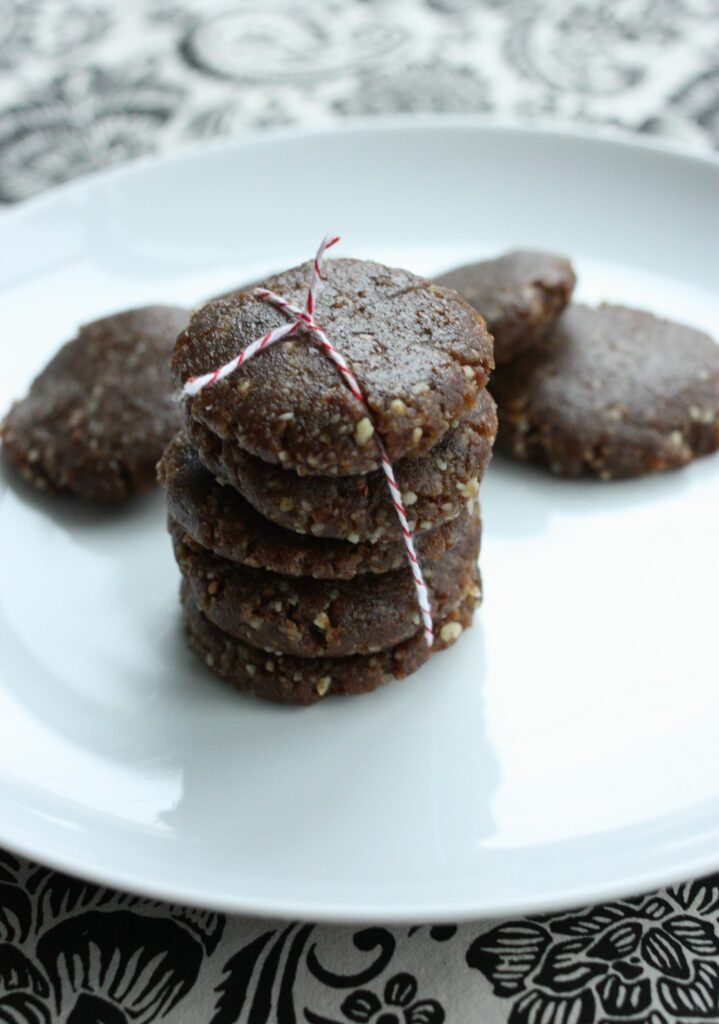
(616, 392)
(520, 295)
(420, 353)
(290, 680)
(98, 417)
(217, 517)
(435, 486)
(311, 618)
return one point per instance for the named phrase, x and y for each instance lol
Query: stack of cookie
(295, 575)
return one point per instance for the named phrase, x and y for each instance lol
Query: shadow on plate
(518, 499)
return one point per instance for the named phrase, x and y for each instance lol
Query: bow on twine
(304, 321)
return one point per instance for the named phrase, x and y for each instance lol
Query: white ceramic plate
(564, 751)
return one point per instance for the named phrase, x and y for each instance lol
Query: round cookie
(311, 618)
(217, 517)
(520, 295)
(420, 353)
(290, 680)
(98, 417)
(435, 486)
(616, 392)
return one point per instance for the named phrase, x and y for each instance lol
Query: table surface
(86, 84)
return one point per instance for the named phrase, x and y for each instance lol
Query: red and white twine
(304, 321)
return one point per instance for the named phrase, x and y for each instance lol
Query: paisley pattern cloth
(87, 84)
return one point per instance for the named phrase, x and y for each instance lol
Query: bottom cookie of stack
(290, 679)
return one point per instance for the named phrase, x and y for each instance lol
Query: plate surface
(564, 751)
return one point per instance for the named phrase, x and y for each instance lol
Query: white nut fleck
(470, 489)
(322, 621)
(353, 537)
(322, 685)
(450, 631)
(364, 430)
(468, 372)
(699, 415)
(416, 435)
(409, 498)
(397, 407)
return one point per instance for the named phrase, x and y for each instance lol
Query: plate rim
(433, 911)
(611, 135)
(367, 914)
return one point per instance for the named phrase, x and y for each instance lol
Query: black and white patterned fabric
(89, 83)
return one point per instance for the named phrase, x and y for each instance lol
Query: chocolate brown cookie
(310, 618)
(520, 295)
(290, 680)
(420, 353)
(218, 518)
(98, 417)
(435, 486)
(615, 392)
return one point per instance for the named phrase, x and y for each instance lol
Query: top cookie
(615, 392)
(520, 295)
(98, 417)
(419, 352)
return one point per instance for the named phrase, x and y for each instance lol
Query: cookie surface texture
(520, 295)
(98, 417)
(420, 353)
(617, 392)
